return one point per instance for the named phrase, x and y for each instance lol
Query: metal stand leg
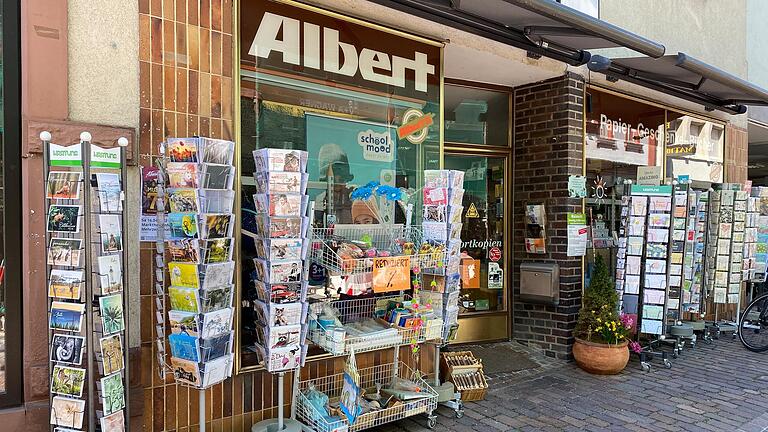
(201, 412)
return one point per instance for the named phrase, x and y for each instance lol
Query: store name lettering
(485, 244)
(338, 57)
(615, 127)
(65, 153)
(104, 155)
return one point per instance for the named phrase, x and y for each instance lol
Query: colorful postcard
(287, 314)
(660, 204)
(183, 275)
(63, 218)
(184, 250)
(217, 251)
(64, 185)
(283, 359)
(183, 200)
(110, 192)
(279, 227)
(111, 234)
(67, 412)
(66, 316)
(658, 220)
(679, 223)
(186, 371)
(110, 274)
(724, 247)
(216, 275)
(216, 226)
(182, 225)
(636, 225)
(112, 353)
(216, 151)
(655, 266)
(213, 299)
(182, 175)
(112, 315)
(280, 160)
(184, 347)
(280, 293)
(278, 272)
(64, 252)
(67, 381)
(215, 176)
(284, 336)
(725, 230)
(65, 284)
(184, 299)
(650, 326)
(279, 249)
(216, 323)
(184, 323)
(112, 393)
(676, 258)
(114, 422)
(280, 182)
(216, 347)
(639, 205)
(182, 149)
(67, 349)
(656, 250)
(280, 204)
(654, 312)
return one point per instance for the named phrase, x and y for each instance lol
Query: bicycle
(753, 325)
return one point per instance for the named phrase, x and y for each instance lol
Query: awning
(684, 76)
(541, 27)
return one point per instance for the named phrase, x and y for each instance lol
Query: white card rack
(86, 281)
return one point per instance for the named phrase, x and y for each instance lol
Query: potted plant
(601, 334)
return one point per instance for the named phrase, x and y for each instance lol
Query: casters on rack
(675, 352)
(665, 359)
(431, 421)
(645, 363)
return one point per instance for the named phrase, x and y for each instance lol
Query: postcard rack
(85, 273)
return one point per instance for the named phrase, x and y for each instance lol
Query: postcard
(723, 262)
(110, 274)
(650, 326)
(725, 230)
(186, 371)
(216, 226)
(633, 265)
(217, 200)
(183, 200)
(216, 151)
(721, 278)
(435, 231)
(216, 298)
(280, 182)
(437, 178)
(632, 284)
(281, 204)
(658, 235)
(216, 176)
(726, 215)
(727, 197)
(282, 359)
(65, 284)
(216, 347)
(67, 380)
(284, 336)
(676, 258)
(67, 412)
(280, 160)
(278, 293)
(678, 246)
(216, 275)
(739, 216)
(639, 205)
(656, 250)
(184, 347)
(636, 225)
(216, 323)
(660, 204)
(217, 371)
(679, 223)
(655, 266)
(216, 251)
(656, 281)
(279, 272)
(66, 316)
(184, 250)
(111, 310)
(724, 247)
(183, 274)
(658, 220)
(182, 225)
(112, 353)
(114, 422)
(720, 294)
(67, 349)
(280, 249)
(182, 149)
(283, 315)
(652, 296)
(184, 323)
(64, 252)
(111, 234)
(64, 185)
(112, 393)
(675, 281)
(738, 226)
(63, 218)
(110, 192)
(182, 175)
(635, 245)
(184, 299)
(654, 312)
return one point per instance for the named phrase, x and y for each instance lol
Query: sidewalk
(719, 387)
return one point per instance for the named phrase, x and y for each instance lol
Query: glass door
(483, 303)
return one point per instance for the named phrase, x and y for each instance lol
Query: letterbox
(540, 282)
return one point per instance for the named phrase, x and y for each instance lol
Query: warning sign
(472, 211)
(494, 254)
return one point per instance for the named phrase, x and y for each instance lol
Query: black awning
(684, 76)
(542, 27)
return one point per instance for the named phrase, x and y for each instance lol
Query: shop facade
(264, 74)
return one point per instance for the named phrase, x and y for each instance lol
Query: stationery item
(67, 381)
(653, 296)
(64, 252)
(184, 347)
(648, 326)
(281, 204)
(653, 312)
(186, 371)
(182, 225)
(182, 175)
(632, 284)
(280, 182)
(216, 151)
(216, 251)
(182, 149)
(112, 353)
(183, 275)
(66, 316)
(660, 204)
(676, 258)
(633, 265)
(184, 299)
(268, 160)
(216, 226)
(112, 393)
(218, 176)
(110, 274)
(216, 200)
(183, 200)
(658, 220)
(114, 422)
(184, 250)
(216, 275)
(67, 349)
(658, 235)
(656, 281)
(655, 266)
(215, 347)
(64, 185)
(656, 250)
(185, 323)
(639, 206)
(112, 316)
(111, 233)
(636, 225)
(63, 218)
(65, 284)
(213, 299)
(67, 412)
(216, 323)
(217, 370)
(635, 245)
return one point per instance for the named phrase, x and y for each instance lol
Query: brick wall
(548, 148)
(736, 159)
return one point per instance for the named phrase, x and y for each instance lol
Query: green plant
(598, 319)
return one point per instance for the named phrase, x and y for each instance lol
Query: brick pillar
(548, 148)
(736, 147)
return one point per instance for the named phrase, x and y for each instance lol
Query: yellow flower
(599, 320)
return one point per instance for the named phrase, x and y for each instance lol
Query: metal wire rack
(384, 374)
(364, 330)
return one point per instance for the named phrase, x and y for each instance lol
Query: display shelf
(383, 374)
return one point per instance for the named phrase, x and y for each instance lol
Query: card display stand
(85, 269)
(694, 289)
(760, 195)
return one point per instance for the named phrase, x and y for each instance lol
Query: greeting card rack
(85, 273)
(194, 249)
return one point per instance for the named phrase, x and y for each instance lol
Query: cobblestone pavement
(719, 387)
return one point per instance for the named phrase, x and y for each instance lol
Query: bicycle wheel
(753, 327)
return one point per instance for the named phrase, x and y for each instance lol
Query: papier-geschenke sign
(616, 140)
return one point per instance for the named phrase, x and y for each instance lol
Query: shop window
(694, 148)
(476, 116)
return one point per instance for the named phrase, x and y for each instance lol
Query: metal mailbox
(540, 282)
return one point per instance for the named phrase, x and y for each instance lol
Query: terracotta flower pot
(601, 359)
